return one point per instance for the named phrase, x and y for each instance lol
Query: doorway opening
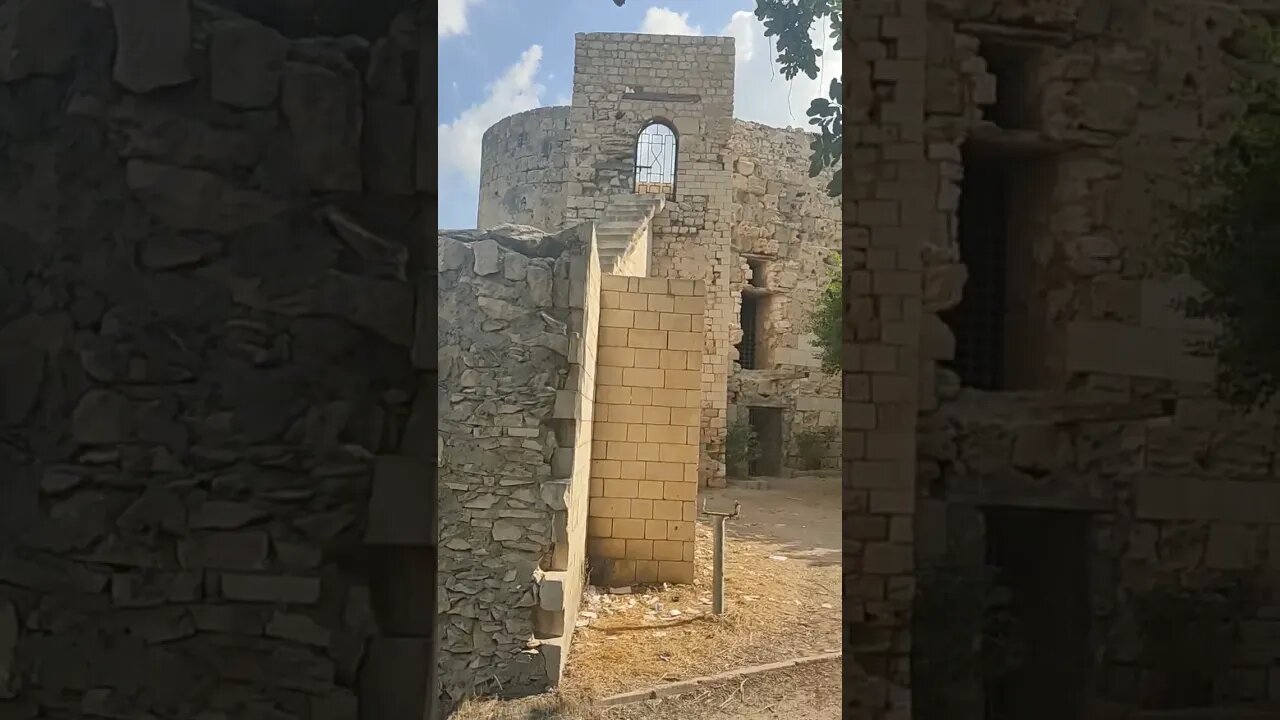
(1036, 639)
(767, 423)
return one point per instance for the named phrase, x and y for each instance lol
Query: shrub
(741, 448)
(1188, 635)
(812, 445)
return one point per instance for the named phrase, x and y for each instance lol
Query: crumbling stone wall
(518, 372)
(644, 475)
(206, 366)
(524, 169)
(622, 82)
(1116, 417)
(786, 221)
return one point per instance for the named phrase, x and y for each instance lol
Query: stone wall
(785, 221)
(893, 206)
(644, 474)
(524, 169)
(207, 291)
(517, 364)
(1114, 418)
(622, 82)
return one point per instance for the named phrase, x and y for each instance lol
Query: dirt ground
(782, 597)
(811, 692)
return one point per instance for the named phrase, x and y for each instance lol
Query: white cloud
(760, 92)
(451, 16)
(516, 90)
(662, 21)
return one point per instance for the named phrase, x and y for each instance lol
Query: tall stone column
(890, 200)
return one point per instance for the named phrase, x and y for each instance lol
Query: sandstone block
(393, 683)
(225, 551)
(153, 43)
(402, 503)
(291, 590)
(189, 199)
(37, 37)
(325, 119)
(387, 134)
(246, 63)
(8, 649)
(102, 417)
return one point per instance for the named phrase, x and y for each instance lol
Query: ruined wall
(206, 368)
(1117, 418)
(623, 81)
(644, 471)
(524, 169)
(786, 221)
(515, 423)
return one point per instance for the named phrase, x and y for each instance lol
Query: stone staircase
(625, 223)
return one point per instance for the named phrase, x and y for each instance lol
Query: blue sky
(499, 57)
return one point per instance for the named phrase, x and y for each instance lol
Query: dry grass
(811, 692)
(560, 705)
(776, 609)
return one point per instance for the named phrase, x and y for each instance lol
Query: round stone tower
(524, 169)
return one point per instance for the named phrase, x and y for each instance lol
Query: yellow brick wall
(646, 434)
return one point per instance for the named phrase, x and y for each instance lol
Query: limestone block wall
(206, 367)
(892, 208)
(622, 82)
(516, 350)
(1118, 413)
(786, 222)
(524, 170)
(644, 470)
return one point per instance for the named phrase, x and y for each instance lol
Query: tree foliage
(826, 320)
(789, 22)
(1228, 241)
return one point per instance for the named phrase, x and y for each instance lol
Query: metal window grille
(655, 170)
(978, 321)
(747, 348)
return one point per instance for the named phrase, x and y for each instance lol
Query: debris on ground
(781, 602)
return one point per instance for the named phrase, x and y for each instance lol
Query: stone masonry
(1101, 409)
(524, 173)
(215, 388)
(787, 224)
(644, 475)
(518, 310)
(741, 191)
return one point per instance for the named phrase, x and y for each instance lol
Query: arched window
(656, 160)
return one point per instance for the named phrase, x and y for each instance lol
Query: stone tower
(622, 83)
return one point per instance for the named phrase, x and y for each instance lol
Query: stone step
(624, 235)
(617, 227)
(616, 215)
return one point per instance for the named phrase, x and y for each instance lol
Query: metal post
(717, 575)
(717, 592)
